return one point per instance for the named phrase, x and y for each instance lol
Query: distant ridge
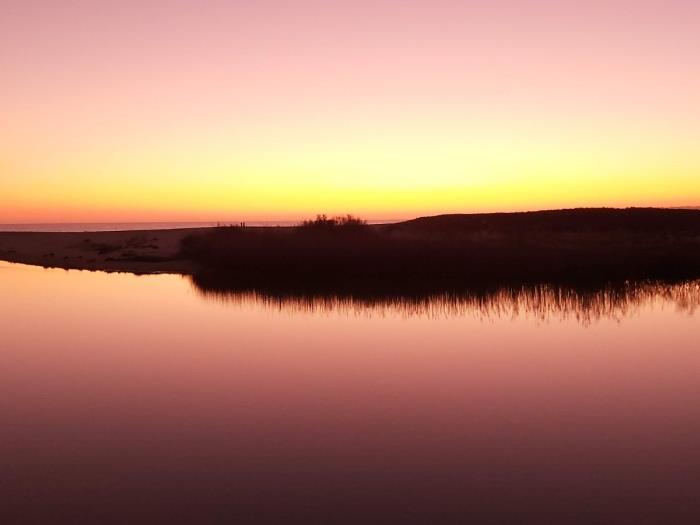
(649, 220)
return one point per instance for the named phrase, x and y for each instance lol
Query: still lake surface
(142, 399)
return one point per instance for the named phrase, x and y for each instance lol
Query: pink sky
(184, 109)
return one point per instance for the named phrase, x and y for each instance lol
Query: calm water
(128, 399)
(129, 226)
(122, 226)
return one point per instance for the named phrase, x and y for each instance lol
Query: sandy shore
(142, 252)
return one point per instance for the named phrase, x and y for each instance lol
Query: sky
(235, 110)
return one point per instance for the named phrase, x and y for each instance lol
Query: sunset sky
(234, 110)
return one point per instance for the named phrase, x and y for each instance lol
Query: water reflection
(131, 400)
(543, 302)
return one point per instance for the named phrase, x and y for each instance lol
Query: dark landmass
(425, 255)
(452, 252)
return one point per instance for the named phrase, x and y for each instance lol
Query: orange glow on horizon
(387, 109)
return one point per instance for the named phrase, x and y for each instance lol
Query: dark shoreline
(451, 253)
(136, 251)
(445, 253)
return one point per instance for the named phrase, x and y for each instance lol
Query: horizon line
(302, 218)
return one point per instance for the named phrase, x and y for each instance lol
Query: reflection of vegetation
(543, 302)
(490, 265)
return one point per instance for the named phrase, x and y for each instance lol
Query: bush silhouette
(453, 251)
(343, 221)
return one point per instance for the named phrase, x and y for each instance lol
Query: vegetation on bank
(448, 252)
(342, 221)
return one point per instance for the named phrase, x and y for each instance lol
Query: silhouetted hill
(451, 251)
(591, 220)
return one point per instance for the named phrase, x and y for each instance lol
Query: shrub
(323, 221)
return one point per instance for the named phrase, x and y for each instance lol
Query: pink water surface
(128, 399)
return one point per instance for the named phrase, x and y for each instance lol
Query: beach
(139, 251)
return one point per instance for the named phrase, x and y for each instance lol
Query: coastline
(440, 252)
(133, 251)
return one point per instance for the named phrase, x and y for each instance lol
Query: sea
(129, 226)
